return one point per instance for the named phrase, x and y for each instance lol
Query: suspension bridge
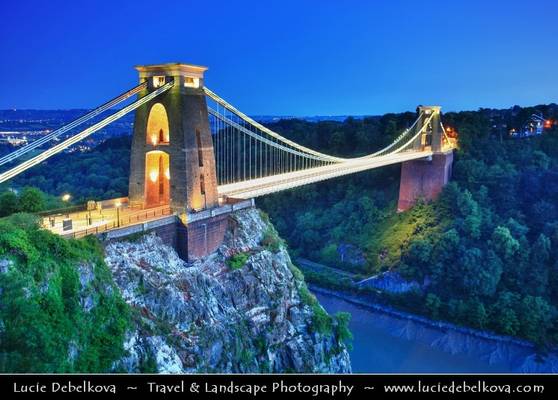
(195, 157)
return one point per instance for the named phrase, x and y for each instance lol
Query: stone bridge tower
(426, 178)
(172, 161)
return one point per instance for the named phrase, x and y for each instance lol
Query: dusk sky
(287, 57)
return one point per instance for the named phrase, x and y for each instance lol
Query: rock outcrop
(244, 308)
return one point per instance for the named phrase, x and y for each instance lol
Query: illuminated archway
(157, 177)
(158, 125)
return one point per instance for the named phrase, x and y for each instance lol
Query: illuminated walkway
(98, 221)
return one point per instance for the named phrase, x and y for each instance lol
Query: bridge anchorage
(195, 158)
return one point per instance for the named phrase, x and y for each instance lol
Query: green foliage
(329, 254)
(342, 332)
(46, 327)
(8, 203)
(31, 200)
(322, 322)
(271, 240)
(328, 280)
(489, 243)
(238, 260)
(433, 304)
(85, 175)
(28, 200)
(488, 247)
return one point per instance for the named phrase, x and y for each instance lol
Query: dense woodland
(485, 253)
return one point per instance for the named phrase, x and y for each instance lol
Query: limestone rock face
(213, 316)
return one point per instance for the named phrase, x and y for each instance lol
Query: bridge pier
(198, 239)
(424, 179)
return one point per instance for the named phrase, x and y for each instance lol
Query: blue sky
(286, 57)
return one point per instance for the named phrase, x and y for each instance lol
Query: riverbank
(495, 353)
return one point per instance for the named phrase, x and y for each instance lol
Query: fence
(127, 219)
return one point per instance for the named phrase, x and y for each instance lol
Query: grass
(394, 233)
(238, 260)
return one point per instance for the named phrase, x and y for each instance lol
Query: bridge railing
(129, 219)
(227, 208)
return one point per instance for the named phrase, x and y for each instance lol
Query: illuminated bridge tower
(172, 162)
(426, 178)
(172, 158)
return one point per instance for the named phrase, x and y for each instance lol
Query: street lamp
(66, 197)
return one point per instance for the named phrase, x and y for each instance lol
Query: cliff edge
(244, 308)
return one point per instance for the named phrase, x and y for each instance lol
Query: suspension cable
(56, 133)
(82, 135)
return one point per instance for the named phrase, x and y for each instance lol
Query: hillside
(485, 255)
(134, 306)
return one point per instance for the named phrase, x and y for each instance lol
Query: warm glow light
(153, 175)
(66, 197)
(167, 173)
(157, 125)
(117, 204)
(193, 82)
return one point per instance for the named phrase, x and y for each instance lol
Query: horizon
(283, 116)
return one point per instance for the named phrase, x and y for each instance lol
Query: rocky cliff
(244, 308)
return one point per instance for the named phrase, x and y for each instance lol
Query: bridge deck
(262, 186)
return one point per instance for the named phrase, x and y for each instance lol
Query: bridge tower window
(158, 81)
(190, 81)
(157, 178)
(158, 126)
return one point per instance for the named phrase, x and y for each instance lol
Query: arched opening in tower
(157, 126)
(157, 177)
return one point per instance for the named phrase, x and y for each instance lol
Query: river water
(379, 346)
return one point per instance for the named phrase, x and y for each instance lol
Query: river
(381, 344)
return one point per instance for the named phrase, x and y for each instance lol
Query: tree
(418, 254)
(480, 274)
(32, 200)
(433, 304)
(469, 211)
(540, 160)
(503, 316)
(503, 243)
(537, 279)
(476, 314)
(329, 254)
(542, 212)
(535, 316)
(8, 203)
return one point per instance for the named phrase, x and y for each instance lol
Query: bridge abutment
(424, 179)
(198, 239)
(199, 235)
